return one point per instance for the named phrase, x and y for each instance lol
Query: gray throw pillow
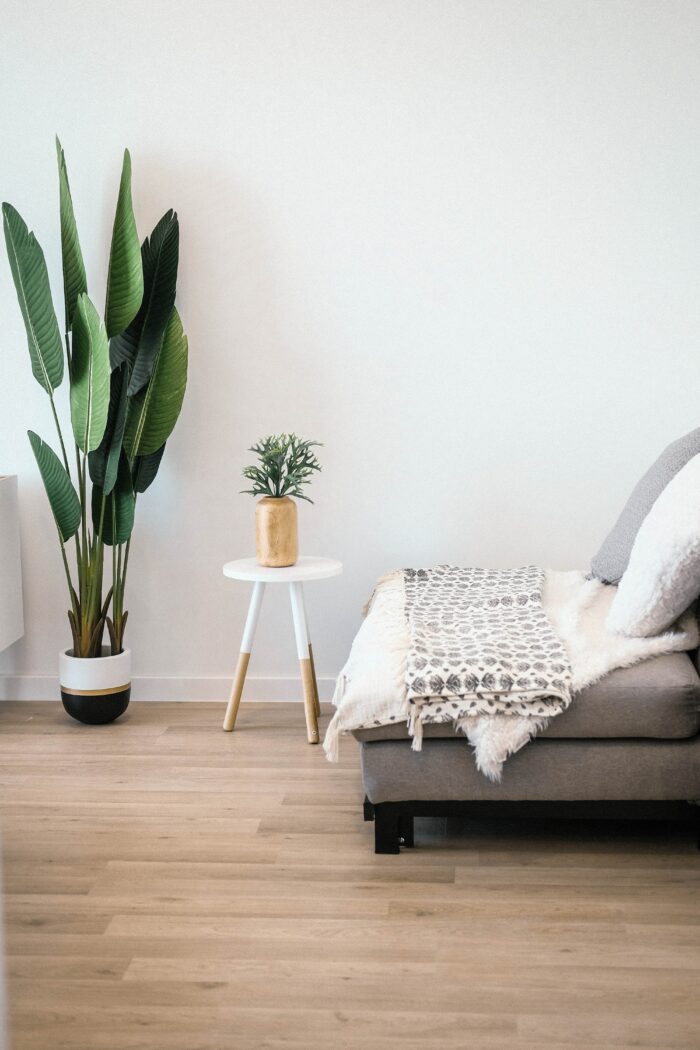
(613, 557)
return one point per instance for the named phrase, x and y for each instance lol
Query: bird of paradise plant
(127, 377)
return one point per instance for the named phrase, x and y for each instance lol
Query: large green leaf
(154, 410)
(74, 278)
(123, 347)
(145, 469)
(139, 343)
(89, 381)
(63, 498)
(125, 274)
(104, 461)
(31, 279)
(160, 261)
(118, 518)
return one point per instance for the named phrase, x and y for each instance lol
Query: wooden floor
(172, 887)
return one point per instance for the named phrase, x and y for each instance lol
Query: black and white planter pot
(95, 691)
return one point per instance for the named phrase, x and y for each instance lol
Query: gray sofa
(627, 747)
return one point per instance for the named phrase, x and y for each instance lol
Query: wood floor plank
(240, 1027)
(577, 990)
(172, 887)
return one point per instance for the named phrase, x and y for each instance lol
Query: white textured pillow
(663, 575)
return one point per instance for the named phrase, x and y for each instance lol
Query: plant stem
(83, 496)
(102, 515)
(60, 434)
(71, 589)
(126, 562)
(119, 593)
(94, 596)
(119, 570)
(115, 586)
(77, 536)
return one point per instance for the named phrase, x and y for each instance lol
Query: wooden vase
(276, 533)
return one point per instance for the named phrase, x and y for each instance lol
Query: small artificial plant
(127, 377)
(286, 464)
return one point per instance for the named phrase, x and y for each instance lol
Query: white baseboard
(45, 687)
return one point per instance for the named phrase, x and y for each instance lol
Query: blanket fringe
(415, 728)
(339, 691)
(331, 740)
(382, 579)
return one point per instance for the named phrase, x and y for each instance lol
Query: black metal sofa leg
(406, 831)
(695, 809)
(392, 827)
(386, 828)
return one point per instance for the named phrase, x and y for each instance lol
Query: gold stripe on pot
(95, 692)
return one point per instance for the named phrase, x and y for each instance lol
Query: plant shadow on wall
(127, 378)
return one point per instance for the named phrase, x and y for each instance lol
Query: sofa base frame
(393, 821)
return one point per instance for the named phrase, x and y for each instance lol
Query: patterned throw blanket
(480, 643)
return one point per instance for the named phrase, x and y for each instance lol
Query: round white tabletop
(305, 569)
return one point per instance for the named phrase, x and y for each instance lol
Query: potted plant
(285, 465)
(127, 376)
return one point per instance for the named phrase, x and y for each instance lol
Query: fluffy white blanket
(371, 688)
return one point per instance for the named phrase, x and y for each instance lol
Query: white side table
(294, 576)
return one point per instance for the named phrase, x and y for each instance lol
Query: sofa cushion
(658, 698)
(613, 557)
(663, 576)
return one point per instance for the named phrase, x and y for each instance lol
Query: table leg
(296, 595)
(244, 656)
(317, 702)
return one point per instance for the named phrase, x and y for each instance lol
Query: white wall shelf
(11, 606)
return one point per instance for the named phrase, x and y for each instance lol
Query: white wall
(459, 242)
